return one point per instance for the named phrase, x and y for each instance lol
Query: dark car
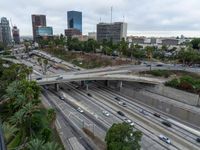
(39, 78)
(121, 113)
(89, 94)
(117, 98)
(166, 123)
(198, 139)
(157, 115)
(159, 65)
(61, 97)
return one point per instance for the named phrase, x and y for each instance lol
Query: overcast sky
(142, 16)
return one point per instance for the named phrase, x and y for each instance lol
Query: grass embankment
(86, 60)
(183, 80)
(186, 83)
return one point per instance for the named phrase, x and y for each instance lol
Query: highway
(100, 99)
(104, 99)
(109, 94)
(96, 109)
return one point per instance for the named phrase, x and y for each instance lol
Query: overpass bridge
(97, 76)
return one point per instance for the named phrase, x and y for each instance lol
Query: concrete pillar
(57, 87)
(82, 83)
(87, 86)
(119, 85)
(107, 83)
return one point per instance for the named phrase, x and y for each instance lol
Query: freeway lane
(111, 95)
(150, 141)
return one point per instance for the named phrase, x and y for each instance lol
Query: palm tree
(35, 144)
(9, 131)
(51, 146)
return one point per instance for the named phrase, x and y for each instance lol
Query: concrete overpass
(89, 77)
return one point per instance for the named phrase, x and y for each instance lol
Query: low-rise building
(92, 35)
(72, 32)
(170, 42)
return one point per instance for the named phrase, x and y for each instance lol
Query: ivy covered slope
(25, 122)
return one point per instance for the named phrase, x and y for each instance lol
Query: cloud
(141, 15)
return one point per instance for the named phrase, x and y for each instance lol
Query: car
(127, 120)
(159, 65)
(61, 97)
(89, 94)
(143, 112)
(39, 78)
(117, 98)
(132, 124)
(167, 123)
(122, 103)
(148, 65)
(80, 110)
(164, 138)
(105, 113)
(121, 113)
(59, 78)
(157, 115)
(198, 139)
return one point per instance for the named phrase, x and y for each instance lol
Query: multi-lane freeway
(96, 109)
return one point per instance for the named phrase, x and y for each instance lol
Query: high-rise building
(15, 33)
(5, 30)
(74, 20)
(112, 31)
(1, 38)
(38, 20)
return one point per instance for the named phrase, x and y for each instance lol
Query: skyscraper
(111, 31)
(15, 33)
(1, 40)
(38, 20)
(74, 20)
(5, 29)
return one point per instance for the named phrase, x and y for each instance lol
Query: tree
(122, 137)
(35, 144)
(195, 43)
(51, 146)
(9, 131)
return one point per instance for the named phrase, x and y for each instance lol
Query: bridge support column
(87, 86)
(57, 87)
(82, 83)
(119, 85)
(107, 83)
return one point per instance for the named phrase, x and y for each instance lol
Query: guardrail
(2, 143)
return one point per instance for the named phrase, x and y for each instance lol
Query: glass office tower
(74, 20)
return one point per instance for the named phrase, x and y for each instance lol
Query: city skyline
(147, 18)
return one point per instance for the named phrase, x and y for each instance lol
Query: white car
(105, 113)
(122, 103)
(80, 110)
(132, 124)
(165, 139)
(127, 120)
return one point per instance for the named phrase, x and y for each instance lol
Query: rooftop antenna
(111, 14)
(100, 19)
(123, 18)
